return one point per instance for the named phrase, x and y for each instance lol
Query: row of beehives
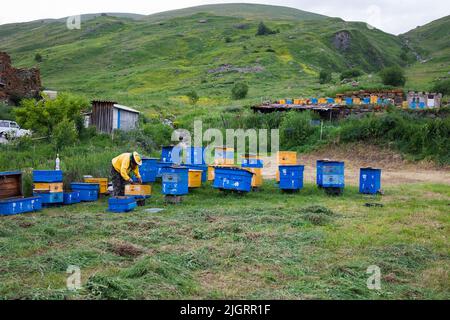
(178, 178)
(340, 101)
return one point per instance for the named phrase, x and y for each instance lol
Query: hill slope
(432, 43)
(240, 10)
(143, 62)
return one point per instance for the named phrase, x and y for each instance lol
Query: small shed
(107, 116)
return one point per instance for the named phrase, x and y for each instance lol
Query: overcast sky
(393, 16)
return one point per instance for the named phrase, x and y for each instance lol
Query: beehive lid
(10, 184)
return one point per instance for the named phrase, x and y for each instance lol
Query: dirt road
(395, 170)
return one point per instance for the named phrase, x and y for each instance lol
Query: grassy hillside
(431, 42)
(145, 63)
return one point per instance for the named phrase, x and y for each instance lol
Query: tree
(324, 77)
(393, 76)
(442, 86)
(239, 90)
(193, 97)
(38, 57)
(351, 74)
(43, 116)
(264, 30)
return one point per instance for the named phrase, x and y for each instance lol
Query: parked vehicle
(10, 130)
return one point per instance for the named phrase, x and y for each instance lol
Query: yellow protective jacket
(122, 164)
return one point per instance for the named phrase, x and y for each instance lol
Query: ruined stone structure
(17, 83)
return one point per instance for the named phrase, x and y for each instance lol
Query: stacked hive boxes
(102, 183)
(285, 158)
(48, 184)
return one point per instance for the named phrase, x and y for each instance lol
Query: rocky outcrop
(342, 40)
(16, 83)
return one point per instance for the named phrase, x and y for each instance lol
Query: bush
(351, 74)
(296, 130)
(264, 30)
(393, 76)
(44, 115)
(442, 86)
(324, 77)
(64, 134)
(239, 90)
(6, 112)
(38, 57)
(193, 97)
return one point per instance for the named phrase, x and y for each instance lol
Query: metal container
(121, 204)
(88, 191)
(333, 174)
(71, 197)
(171, 154)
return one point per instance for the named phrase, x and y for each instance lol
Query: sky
(393, 16)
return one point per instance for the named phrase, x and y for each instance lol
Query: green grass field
(263, 245)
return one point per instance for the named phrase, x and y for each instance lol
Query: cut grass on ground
(263, 245)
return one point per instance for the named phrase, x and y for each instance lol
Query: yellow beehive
(195, 178)
(102, 182)
(405, 104)
(282, 101)
(257, 179)
(50, 187)
(373, 99)
(210, 173)
(338, 100)
(322, 101)
(138, 190)
(287, 157)
(297, 101)
(223, 156)
(356, 101)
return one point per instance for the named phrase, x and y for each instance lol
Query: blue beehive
(88, 191)
(171, 154)
(121, 204)
(148, 170)
(195, 156)
(50, 197)
(289, 101)
(291, 177)
(175, 180)
(348, 101)
(333, 174)
(48, 176)
(203, 168)
(249, 161)
(314, 101)
(71, 197)
(330, 100)
(366, 100)
(369, 180)
(20, 205)
(229, 178)
(319, 172)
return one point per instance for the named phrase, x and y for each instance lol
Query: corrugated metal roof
(121, 107)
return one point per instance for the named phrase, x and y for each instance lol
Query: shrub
(64, 134)
(324, 77)
(44, 115)
(239, 90)
(193, 97)
(264, 30)
(393, 76)
(351, 74)
(296, 129)
(442, 86)
(6, 112)
(228, 40)
(38, 57)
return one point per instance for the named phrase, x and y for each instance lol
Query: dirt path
(395, 170)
